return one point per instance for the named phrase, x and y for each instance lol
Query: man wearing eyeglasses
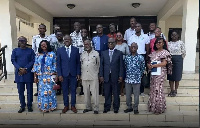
(111, 73)
(23, 59)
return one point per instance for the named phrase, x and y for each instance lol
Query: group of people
(103, 64)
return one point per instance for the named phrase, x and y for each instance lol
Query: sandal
(170, 93)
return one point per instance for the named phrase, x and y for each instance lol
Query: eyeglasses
(111, 42)
(23, 41)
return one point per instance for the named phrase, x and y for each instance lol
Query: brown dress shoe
(65, 109)
(74, 109)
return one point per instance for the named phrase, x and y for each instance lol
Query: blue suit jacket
(68, 66)
(23, 58)
(115, 66)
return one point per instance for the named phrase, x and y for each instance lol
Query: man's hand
(22, 71)
(101, 79)
(35, 79)
(120, 80)
(78, 77)
(60, 78)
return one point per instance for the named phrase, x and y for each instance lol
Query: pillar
(189, 33)
(8, 30)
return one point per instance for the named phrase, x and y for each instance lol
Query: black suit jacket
(116, 66)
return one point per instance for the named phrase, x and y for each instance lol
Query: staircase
(182, 110)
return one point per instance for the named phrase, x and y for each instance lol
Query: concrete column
(189, 33)
(161, 24)
(8, 30)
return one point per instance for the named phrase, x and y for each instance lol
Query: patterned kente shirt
(135, 66)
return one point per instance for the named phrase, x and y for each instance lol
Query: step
(144, 118)
(179, 98)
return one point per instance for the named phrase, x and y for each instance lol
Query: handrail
(3, 63)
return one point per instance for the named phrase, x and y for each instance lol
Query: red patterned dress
(157, 102)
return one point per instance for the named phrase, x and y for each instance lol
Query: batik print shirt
(135, 66)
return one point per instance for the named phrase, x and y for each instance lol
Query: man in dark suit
(111, 73)
(68, 68)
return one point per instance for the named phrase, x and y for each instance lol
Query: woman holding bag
(44, 70)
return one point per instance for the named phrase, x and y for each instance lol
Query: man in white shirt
(131, 31)
(142, 41)
(151, 33)
(53, 37)
(77, 38)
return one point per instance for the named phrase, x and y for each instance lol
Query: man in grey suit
(111, 73)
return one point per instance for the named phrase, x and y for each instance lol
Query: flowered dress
(157, 102)
(44, 67)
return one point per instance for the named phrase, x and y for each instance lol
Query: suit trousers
(111, 87)
(93, 86)
(135, 89)
(69, 82)
(21, 89)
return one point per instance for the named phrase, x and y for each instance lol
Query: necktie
(68, 52)
(111, 53)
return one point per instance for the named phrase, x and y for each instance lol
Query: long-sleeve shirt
(135, 66)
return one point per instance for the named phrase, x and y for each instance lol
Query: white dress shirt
(69, 50)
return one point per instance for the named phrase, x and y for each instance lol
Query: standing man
(76, 37)
(36, 41)
(142, 41)
(100, 43)
(131, 31)
(112, 33)
(151, 33)
(53, 37)
(135, 66)
(23, 59)
(68, 69)
(111, 73)
(90, 63)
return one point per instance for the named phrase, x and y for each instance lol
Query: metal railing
(3, 63)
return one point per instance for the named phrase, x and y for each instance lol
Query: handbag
(145, 81)
(56, 87)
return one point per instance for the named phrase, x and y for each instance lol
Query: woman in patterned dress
(157, 102)
(44, 67)
(177, 50)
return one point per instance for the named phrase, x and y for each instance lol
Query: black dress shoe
(105, 111)
(96, 112)
(115, 111)
(30, 109)
(136, 112)
(128, 110)
(36, 94)
(21, 110)
(86, 110)
(81, 93)
(58, 93)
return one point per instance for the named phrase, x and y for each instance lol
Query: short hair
(49, 49)
(42, 25)
(164, 46)
(139, 23)
(132, 18)
(111, 24)
(58, 31)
